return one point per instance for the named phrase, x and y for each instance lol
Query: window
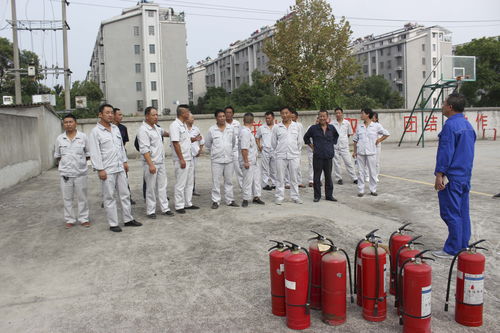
(136, 31)
(137, 68)
(399, 48)
(399, 61)
(140, 105)
(152, 49)
(151, 30)
(154, 103)
(381, 43)
(381, 52)
(434, 61)
(390, 76)
(434, 35)
(423, 61)
(137, 49)
(389, 64)
(373, 60)
(151, 13)
(400, 87)
(389, 51)
(424, 74)
(258, 61)
(365, 68)
(434, 74)
(374, 71)
(400, 74)
(152, 67)
(423, 47)
(381, 65)
(138, 86)
(434, 47)
(434, 100)
(153, 85)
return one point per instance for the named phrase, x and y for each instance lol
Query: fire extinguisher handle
(278, 245)
(371, 234)
(293, 246)
(403, 227)
(414, 239)
(420, 254)
(318, 236)
(331, 242)
(427, 258)
(475, 243)
(481, 248)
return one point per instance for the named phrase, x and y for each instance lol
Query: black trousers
(322, 165)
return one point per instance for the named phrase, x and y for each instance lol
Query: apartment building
(196, 81)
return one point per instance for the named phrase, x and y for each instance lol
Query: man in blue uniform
(454, 160)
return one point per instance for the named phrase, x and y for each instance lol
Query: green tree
(310, 58)
(89, 89)
(374, 92)
(485, 91)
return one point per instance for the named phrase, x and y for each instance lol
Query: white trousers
(343, 154)
(184, 181)
(292, 168)
(379, 151)
(75, 188)
(116, 181)
(251, 182)
(310, 169)
(268, 168)
(222, 170)
(367, 165)
(156, 182)
(237, 169)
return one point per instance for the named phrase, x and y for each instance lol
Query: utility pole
(67, 88)
(17, 74)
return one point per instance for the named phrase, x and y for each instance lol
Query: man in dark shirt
(454, 159)
(124, 133)
(324, 137)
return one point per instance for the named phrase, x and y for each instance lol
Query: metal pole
(67, 87)
(17, 74)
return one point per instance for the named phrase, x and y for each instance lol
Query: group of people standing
(233, 149)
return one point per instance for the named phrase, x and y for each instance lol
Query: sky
(214, 24)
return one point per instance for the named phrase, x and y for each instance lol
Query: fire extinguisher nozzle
(446, 307)
(400, 320)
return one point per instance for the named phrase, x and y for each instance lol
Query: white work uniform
(342, 150)
(184, 177)
(299, 174)
(195, 149)
(221, 145)
(150, 141)
(251, 176)
(73, 172)
(108, 153)
(286, 143)
(365, 139)
(237, 170)
(268, 160)
(309, 150)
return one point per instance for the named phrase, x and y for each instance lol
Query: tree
(89, 89)
(310, 58)
(485, 91)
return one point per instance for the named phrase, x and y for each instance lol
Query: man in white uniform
(229, 112)
(295, 118)
(220, 142)
(183, 161)
(110, 160)
(268, 160)
(342, 153)
(153, 162)
(248, 162)
(365, 150)
(196, 146)
(286, 140)
(72, 153)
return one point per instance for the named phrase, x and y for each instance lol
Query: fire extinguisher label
(385, 278)
(473, 289)
(290, 284)
(282, 268)
(426, 301)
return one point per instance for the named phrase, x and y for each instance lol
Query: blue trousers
(454, 210)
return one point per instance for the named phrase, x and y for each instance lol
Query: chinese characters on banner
(410, 123)
(256, 126)
(353, 122)
(431, 124)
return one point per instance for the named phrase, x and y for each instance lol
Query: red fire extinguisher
(373, 277)
(415, 295)
(470, 285)
(333, 285)
(405, 252)
(297, 287)
(397, 239)
(277, 274)
(365, 242)
(317, 246)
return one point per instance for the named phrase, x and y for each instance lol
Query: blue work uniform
(455, 156)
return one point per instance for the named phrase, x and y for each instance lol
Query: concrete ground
(208, 269)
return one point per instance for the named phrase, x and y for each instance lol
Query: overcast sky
(213, 24)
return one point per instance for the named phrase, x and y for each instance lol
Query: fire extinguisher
(405, 252)
(365, 242)
(334, 266)
(297, 287)
(317, 246)
(470, 285)
(277, 270)
(397, 239)
(373, 282)
(415, 295)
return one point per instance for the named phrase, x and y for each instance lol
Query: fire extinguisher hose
(377, 281)
(309, 282)
(350, 274)
(356, 252)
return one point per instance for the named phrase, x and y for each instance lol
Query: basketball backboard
(454, 68)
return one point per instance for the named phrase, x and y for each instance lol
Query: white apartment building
(196, 81)
(139, 59)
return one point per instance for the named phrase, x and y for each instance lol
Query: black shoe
(496, 195)
(340, 182)
(132, 223)
(331, 199)
(273, 187)
(233, 204)
(355, 181)
(215, 205)
(258, 201)
(244, 203)
(196, 194)
(192, 207)
(316, 199)
(168, 213)
(132, 202)
(374, 193)
(116, 229)
(360, 194)
(181, 211)
(267, 188)
(152, 216)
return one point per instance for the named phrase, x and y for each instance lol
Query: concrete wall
(28, 136)
(392, 120)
